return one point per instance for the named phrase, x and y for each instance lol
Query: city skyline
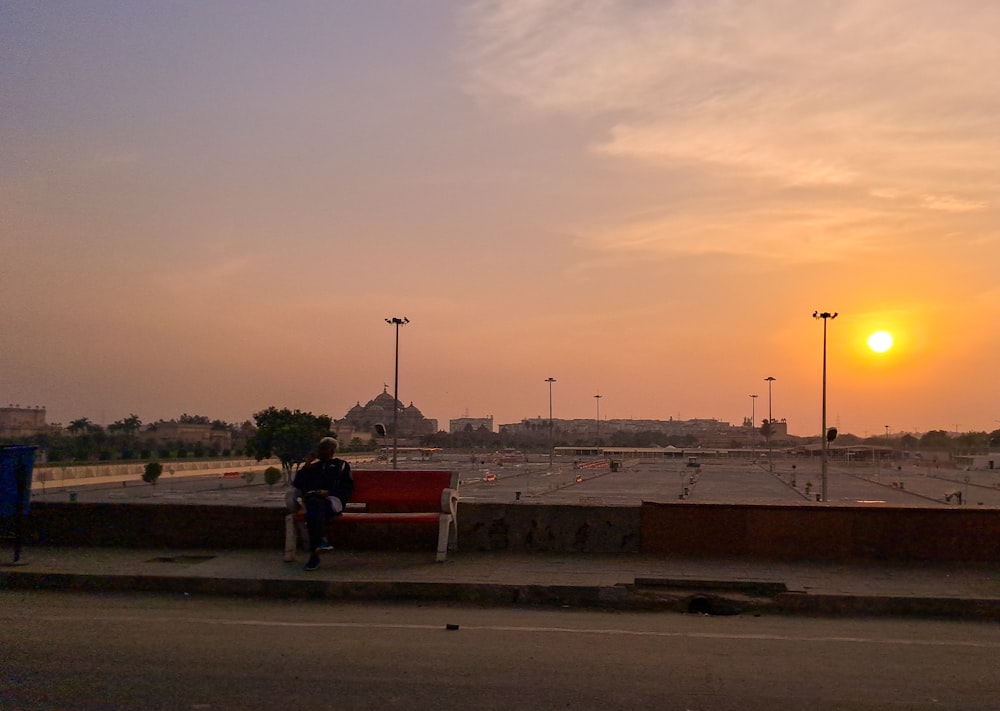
(445, 426)
(215, 208)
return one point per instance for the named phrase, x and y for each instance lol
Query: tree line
(291, 435)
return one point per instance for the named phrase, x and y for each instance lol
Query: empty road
(69, 650)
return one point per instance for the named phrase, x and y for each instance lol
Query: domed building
(360, 420)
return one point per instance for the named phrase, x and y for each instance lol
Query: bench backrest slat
(400, 491)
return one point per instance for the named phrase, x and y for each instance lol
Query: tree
(289, 435)
(79, 426)
(272, 475)
(129, 425)
(973, 441)
(187, 419)
(123, 435)
(935, 439)
(152, 472)
(356, 444)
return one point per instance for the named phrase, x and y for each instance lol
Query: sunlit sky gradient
(210, 208)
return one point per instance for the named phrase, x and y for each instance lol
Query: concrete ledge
(547, 528)
(481, 527)
(821, 532)
(676, 530)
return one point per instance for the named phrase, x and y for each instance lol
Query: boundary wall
(820, 532)
(55, 474)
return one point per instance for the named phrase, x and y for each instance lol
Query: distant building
(360, 420)
(779, 429)
(210, 436)
(17, 421)
(463, 424)
(707, 432)
(532, 425)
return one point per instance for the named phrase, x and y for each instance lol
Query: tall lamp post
(753, 429)
(397, 322)
(597, 399)
(551, 447)
(826, 316)
(770, 424)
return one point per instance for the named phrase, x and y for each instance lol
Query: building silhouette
(17, 421)
(360, 420)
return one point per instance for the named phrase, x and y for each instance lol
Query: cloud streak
(792, 117)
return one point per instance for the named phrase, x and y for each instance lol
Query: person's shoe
(313, 562)
(324, 546)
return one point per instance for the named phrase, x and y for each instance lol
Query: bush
(272, 475)
(248, 477)
(152, 472)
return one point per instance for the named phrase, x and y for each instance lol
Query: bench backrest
(401, 490)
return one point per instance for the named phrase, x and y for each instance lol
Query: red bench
(395, 496)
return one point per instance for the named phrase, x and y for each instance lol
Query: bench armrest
(448, 524)
(449, 501)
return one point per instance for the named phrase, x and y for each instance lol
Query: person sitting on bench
(325, 486)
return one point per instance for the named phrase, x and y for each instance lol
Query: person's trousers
(318, 514)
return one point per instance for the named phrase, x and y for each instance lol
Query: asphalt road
(67, 650)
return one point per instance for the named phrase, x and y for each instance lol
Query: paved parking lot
(719, 481)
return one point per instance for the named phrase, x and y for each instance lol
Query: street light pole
(397, 322)
(826, 316)
(597, 398)
(551, 444)
(753, 429)
(770, 424)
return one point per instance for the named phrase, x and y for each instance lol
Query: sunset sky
(211, 207)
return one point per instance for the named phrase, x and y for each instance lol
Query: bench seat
(395, 496)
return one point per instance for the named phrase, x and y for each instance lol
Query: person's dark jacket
(334, 475)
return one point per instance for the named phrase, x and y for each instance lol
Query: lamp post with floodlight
(826, 316)
(597, 399)
(770, 424)
(397, 322)
(551, 443)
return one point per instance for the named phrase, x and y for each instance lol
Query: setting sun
(880, 341)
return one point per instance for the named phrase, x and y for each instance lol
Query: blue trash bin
(17, 463)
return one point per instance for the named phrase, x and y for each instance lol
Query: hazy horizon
(213, 208)
(443, 425)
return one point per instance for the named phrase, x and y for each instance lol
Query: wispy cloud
(950, 203)
(813, 117)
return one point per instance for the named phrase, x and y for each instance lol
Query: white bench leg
(290, 538)
(445, 524)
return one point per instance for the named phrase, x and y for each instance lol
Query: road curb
(692, 597)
